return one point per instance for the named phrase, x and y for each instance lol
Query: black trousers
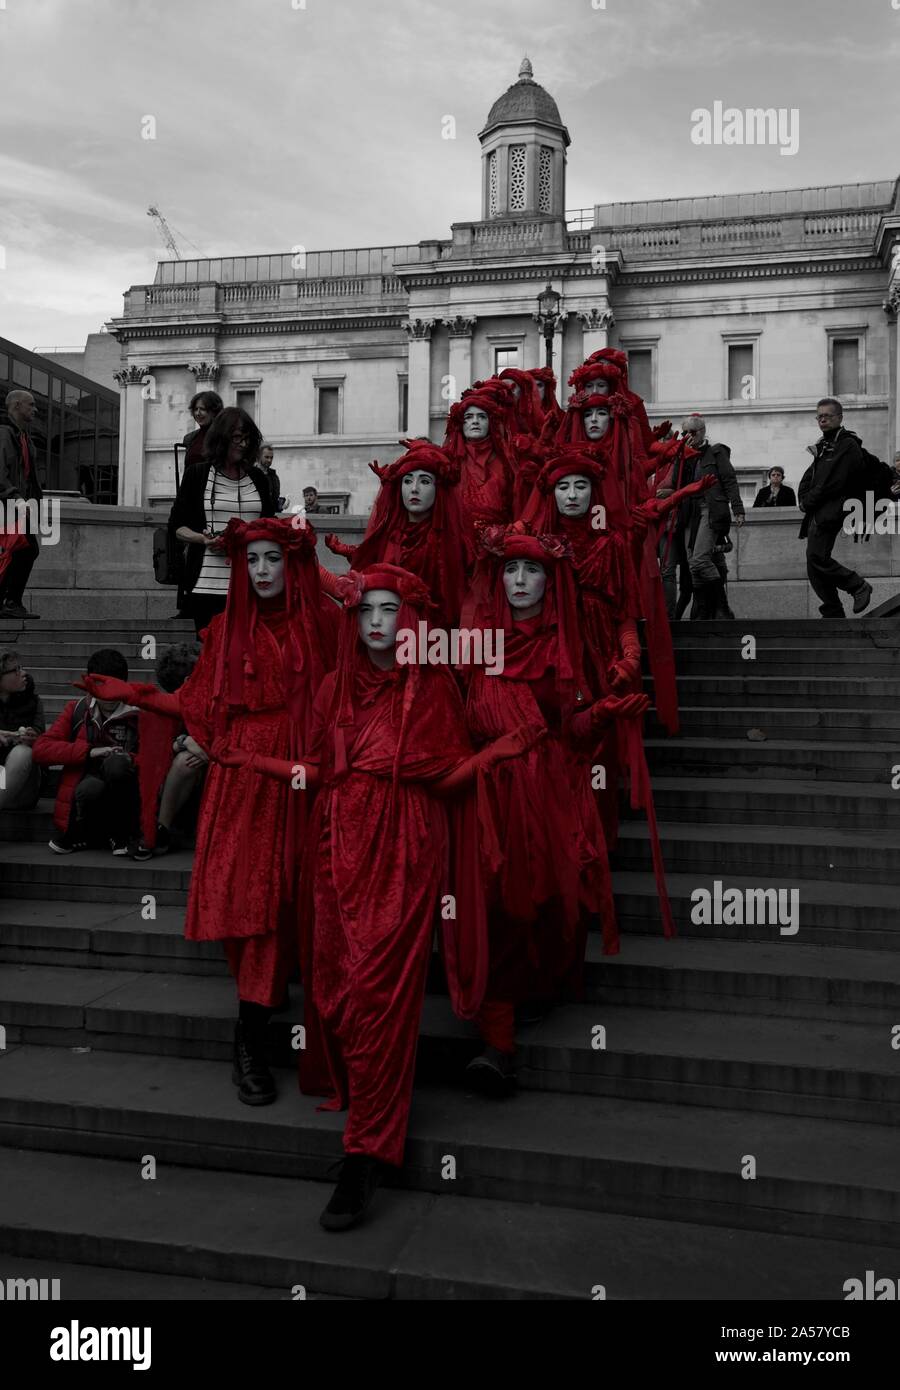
(107, 800)
(204, 607)
(12, 586)
(825, 574)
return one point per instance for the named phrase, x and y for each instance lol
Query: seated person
(777, 494)
(21, 722)
(172, 765)
(96, 741)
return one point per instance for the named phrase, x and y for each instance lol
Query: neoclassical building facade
(747, 307)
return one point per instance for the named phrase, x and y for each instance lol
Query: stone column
(595, 324)
(892, 309)
(131, 435)
(205, 374)
(419, 332)
(460, 331)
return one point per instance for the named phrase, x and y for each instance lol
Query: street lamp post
(548, 318)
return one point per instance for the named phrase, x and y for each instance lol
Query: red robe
(377, 859)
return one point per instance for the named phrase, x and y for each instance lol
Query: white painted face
(377, 620)
(541, 386)
(573, 494)
(524, 582)
(596, 422)
(600, 387)
(476, 423)
(265, 563)
(417, 490)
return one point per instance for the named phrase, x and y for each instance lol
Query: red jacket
(68, 741)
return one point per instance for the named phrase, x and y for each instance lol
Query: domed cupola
(524, 153)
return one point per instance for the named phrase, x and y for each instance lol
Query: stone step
(785, 851)
(688, 973)
(789, 632)
(785, 691)
(853, 915)
(811, 1067)
(81, 605)
(232, 1227)
(825, 725)
(31, 870)
(785, 758)
(776, 801)
(82, 1283)
(781, 661)
(818, 1178)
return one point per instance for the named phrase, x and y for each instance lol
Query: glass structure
(75, 429)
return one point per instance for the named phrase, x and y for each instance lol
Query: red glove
(111, 688)
(612, 707)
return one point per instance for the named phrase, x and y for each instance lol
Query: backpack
(872, 477)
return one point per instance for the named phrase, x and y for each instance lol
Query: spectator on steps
(21, 722)
(777, 494)
(264, 460)
(171, 764)
(204, 408)
(226, 485)
(96, 742)
(709, 520)
(311, 501)
(829, 480)
(18, 479)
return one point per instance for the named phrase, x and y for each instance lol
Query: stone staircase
(617, 1166)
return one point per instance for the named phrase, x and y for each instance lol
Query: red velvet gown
(378, 841)
(485, 487)
(240, 887)
(544, 844)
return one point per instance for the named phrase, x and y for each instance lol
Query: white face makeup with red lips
(417, 491)
(596, 422)
(265, 563)
(573, 495)
(524, 582)
(377, 620)
(476, 423)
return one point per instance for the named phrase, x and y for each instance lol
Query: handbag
(168, 550)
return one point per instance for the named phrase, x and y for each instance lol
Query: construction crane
(165, 232)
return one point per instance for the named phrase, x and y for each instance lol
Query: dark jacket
(23, 710)
(188, 510)
(716, 458)
(79, 728)
(829, 480)
(786, 497)
(13, 482)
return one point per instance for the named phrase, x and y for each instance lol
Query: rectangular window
(404, 405)
(505, 357)
(328, 410)
(246, 398)
(845, 366)
(740, 372)
(640, 372)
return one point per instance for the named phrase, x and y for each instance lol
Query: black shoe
(250, 1072)
(67, 844)
(351, 1199)
(119, 847)
(492, 1074)
(16, 610)
(139, 849)
(163, 839)
(862, 597)
(831, 610)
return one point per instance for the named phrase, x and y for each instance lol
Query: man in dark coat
(830, 479)
(777, 494)
(708, 521)
(18, 479)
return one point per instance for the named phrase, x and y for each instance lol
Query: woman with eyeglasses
(21, 721)
(227, 485)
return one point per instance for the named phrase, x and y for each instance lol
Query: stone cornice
(136, 329)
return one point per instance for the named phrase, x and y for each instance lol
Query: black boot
(719, 600)
(702, 607)
(351, 1199)
(250, 1073)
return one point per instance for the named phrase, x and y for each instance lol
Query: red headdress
(308, 627)
(528, 412)
(434, 548)
(617, 359)
(496, 400)
(530, 650)
(596, 371)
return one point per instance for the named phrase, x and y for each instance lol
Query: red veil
(434, 548)
(488, 466)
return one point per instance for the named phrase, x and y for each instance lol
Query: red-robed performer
(546, 384)
(544, 848)
(262, 662)
(528, 422)
(389, 743)
(417, 523)
(477, 438)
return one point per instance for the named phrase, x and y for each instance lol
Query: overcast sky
(321, 126)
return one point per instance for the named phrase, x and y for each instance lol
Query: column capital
(204, 371)
(891, 305)
(460, 326)
(419, 328)
(132, 376)
(597, 320)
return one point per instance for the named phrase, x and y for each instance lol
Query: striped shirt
(223, 499)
